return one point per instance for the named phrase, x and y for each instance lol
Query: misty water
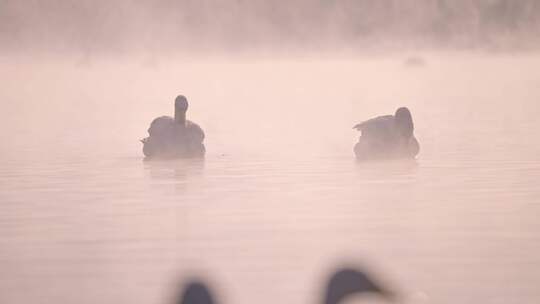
(279, 199)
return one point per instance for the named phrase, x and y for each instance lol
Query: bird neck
(180, 117)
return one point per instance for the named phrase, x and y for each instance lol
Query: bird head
(404, 121)
(180, 103)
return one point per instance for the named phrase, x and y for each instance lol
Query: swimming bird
(343, 283)
(174, 137)
(389, 136)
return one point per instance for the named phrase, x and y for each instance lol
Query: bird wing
(195, 132)
(161, 126)
(377, 126)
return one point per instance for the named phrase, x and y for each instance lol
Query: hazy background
(212, 26)
(279, 199)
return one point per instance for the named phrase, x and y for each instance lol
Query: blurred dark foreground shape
(342, 283)
(196, 293)
(174, 137)
(351, 281)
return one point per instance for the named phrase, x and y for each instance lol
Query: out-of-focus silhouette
(350, 281)
(174, 137)
(196, 293)
(342, 283)
(387, 137)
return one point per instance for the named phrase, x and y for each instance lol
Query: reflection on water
(179, 170)
(279, 199)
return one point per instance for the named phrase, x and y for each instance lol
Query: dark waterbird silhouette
(174, 137)
(387, 137)
(343, 283)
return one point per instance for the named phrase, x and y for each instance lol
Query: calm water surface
(279, 199)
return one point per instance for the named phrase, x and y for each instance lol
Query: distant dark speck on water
(415, 61)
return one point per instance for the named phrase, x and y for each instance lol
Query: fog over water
(217, 26)
(279, 199)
